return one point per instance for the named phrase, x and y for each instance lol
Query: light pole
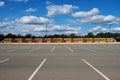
(110, 30)
(46, 31)
(45, 38)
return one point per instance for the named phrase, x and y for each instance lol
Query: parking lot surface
(59, 61)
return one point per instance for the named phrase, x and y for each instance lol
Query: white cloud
(100, 19)
(2, 24)
(40, 29)
(25, 30)
(48, 2)
(2, 3)
(19, 0)
(31, 10)
(64, 28)
(59, 9)
(33, 20)
(94, 17)
(25, 24)
(59, 29)
(71, 32)
(116, 29)
(71, 21)
(93, 12)
(5, 19)
(6, 27)
(5, 24)
(98, 29)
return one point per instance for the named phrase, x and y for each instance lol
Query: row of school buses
(57, 40)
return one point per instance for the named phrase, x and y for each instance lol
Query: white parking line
(4, 60)
(15, 49)
(88, 49)
(53, 48)
(35, 49)
(106, 49)
(96, 70)
(31, 77)
(70, 49)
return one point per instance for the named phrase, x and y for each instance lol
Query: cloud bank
(93, 17)
(59, 9)
(33, 20)
(93, 12)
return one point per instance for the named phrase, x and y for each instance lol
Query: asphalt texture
(60, 61)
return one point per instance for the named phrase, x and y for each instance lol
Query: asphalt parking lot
(60, 61)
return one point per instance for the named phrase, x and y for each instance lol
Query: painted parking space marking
(98, 71)
(4, 60)
(31, 77)
(53, 48)
(87, 49)
(70, 49)
(12, 50)
(35, 49)
(107, 49)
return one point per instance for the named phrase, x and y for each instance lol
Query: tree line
(88, 35)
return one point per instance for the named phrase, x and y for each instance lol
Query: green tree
(28, 35)
(1, 37)
(100, 35)
(10, 35)
(73, 35)
(89, 35)
(64, 36)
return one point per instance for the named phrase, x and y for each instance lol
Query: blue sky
(61, 16)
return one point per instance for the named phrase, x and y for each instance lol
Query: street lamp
(110, 30)
(45, 38)
(46, 31)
